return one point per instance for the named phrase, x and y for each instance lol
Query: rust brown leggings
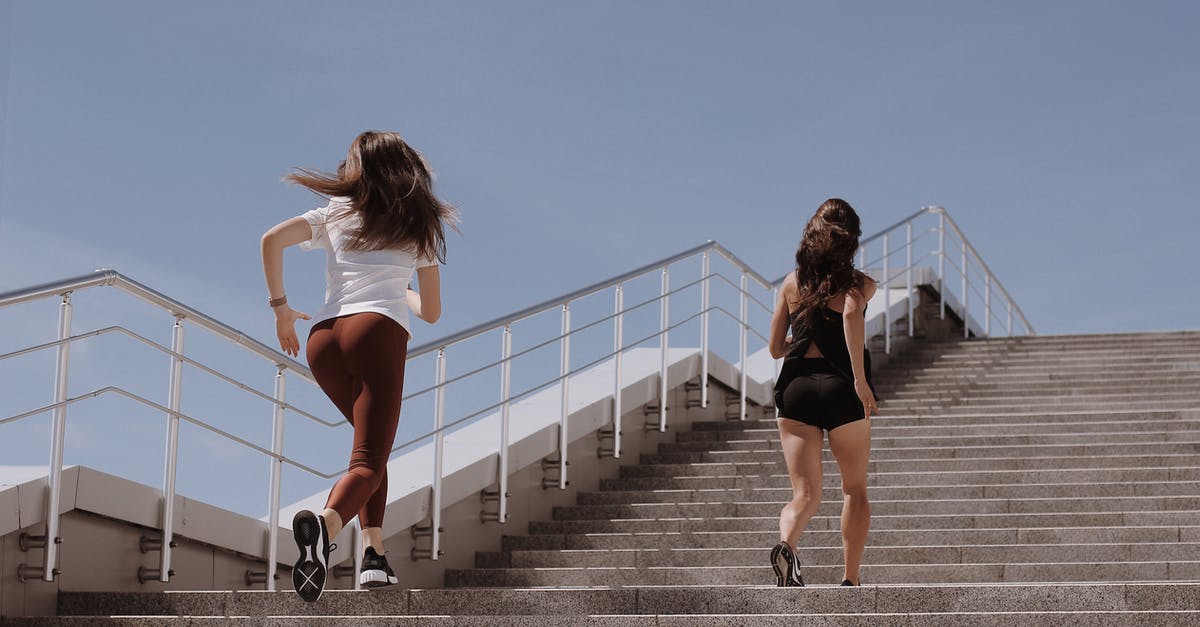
(359, 362)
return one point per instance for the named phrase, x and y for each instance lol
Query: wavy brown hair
(825, 257)
(390, 185)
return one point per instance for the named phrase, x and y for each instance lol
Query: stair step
(757, 441)
(778, 466)
(879, 453)
(832, 538)
(612, 602)
(892, 493)
(883, 507)
(700, 557)
(876, 573)
(878, 522)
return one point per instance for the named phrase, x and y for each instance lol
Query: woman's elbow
(432, 315)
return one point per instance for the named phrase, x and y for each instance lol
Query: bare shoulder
(869, 286)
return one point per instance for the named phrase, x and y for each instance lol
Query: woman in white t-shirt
(382, 225)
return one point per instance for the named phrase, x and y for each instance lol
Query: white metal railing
(747, 280)
(929, 222)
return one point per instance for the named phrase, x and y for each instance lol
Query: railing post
(358, 546)
(505, 387)
(942, 263)
(62, 365)
(438, 445)
(563, 421)
(1010, 318)
(662, 344)
(887, 298)
(966, 295)
(775, 299)
(618, 340)
(742, 321)
(172, 453)
(862, 258)
(704, 330)
(987, 305)
(276, 476)
(908, 286)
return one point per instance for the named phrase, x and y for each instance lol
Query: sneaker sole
(308, 575)
(376, 579)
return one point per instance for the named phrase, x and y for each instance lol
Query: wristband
(276, 302)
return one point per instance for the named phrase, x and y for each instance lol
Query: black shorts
(817, 395)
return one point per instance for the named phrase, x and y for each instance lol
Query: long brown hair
(825, 257)
(390, 185)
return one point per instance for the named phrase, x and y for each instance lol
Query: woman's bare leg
(851, 446)
(802, 453)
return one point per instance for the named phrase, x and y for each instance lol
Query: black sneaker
(375, 571)
(311, 570)
(787, 566)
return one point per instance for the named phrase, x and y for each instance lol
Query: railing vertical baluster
(987, 305)
(942, 264)
(563, 421)
(618, 340)
(1010, 318)
(862, 257)
(965, 294)
(662, 344)
(273, 497)
(358, 546)
(439, 441)
(505, 391)
(742, 322)
(775, 299)
(908, 284)
(704, 330)
(887, 298)
(62, 364)
(170, 459)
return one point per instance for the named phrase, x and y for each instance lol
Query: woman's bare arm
(854, 322)
(427, 303)
(286, 233)
(779, 320)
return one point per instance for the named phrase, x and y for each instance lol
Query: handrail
(109, 277)
(116, 328)
(979, 259)
(557, 301)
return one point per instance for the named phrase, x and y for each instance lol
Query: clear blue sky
(583, 139)
(580, 139)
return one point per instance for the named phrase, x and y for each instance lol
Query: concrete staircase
(1040, 480)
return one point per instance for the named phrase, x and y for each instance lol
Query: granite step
(1036, 418)
(899, 443)
(833, 538)
(985, 477)
(965, 453)
(932, 573)
(833, 492)
(924, 619)
(612, 601)
(1183, 518)
(776, 465)
(888, 454)
(831, 507)
(882, 429)
(876, 554)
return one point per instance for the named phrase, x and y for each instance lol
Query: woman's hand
(285, 328)
(867, 397)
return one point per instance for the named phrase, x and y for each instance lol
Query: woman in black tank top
(824, 384)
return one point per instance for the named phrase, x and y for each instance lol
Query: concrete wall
(102, 554)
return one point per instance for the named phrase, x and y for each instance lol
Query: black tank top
(828, 332)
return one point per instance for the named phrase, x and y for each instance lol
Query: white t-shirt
(360, 281)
